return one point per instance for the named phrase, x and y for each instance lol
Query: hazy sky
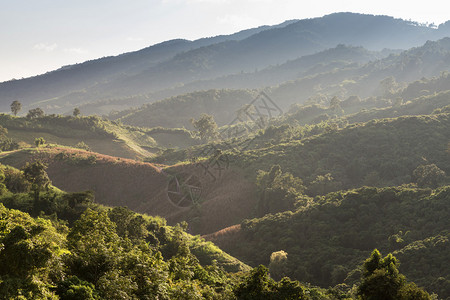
(41, 35)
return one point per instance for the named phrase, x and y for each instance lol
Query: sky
(37, 36)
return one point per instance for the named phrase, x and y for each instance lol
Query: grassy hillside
(100, 135)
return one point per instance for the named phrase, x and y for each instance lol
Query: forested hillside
(315, 153)
(327, 239)
(65, 247)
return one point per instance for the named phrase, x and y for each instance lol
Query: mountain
(327, 147)
(329, 59)
(343, 71)
(77, 77)
(179, 62)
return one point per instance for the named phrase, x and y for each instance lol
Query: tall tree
(35, 173)
(16, 106)
(76, 112)
(206, 126)
(382, 280)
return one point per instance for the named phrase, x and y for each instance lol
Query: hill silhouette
(180, 62)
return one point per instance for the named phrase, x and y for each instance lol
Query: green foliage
(278, 264)
(35, 113)
(74, 288)
(351, 157)
(382, 280)
(429, 176)
(35, 174)
(62, 126)
(6, 144)
(39, 141)
(82, 145)
(279, 192)
(118, 254)
(258, 285)
(16, 106)
(205, 126)
(327, 239)
(93, 243)
(76, 112)
(28, 255)
(323, 184)
(3, 187)
(15, 180)
(175, 112)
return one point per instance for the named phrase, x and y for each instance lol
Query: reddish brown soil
(226, 238)
(143, 187)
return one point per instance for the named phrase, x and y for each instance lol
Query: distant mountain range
(163, 70)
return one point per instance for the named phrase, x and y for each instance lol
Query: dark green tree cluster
(259, 285)
(326, 239)
(39, 141)
(6, 143)
(279, 191)
(35, 174)
(35, 113)
(382, 280)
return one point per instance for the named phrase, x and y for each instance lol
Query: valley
(273, 163)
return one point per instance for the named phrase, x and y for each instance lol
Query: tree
(382, 280)
(257, 285)
(76, 112)
(3, 188)
(278, 264)
(39, 141)
(28, 248)
(279, 191)
(95, 246)
(35, 113)
(35, 173)
(428, 176)
(82, 145)
(6, 144)
(206, 126)
(335, 105)
(16, 106)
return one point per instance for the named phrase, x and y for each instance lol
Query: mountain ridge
(182, 62)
